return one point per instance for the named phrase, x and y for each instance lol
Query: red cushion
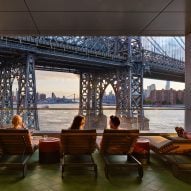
(141, 146)
(49, 145)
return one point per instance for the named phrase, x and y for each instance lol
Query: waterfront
(55, 120)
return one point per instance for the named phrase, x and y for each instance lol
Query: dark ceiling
(95, 17)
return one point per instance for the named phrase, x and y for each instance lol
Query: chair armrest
(179, 139)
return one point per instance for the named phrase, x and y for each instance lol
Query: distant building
(180, 96)
(14, 99)
(53, 95)
(14, 96)
(42, 96)
(109, 99)
(170, 96)
(167, 87)
(37, 96)
(149, 89)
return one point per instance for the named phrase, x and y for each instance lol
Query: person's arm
(187, 135)
(23, 125)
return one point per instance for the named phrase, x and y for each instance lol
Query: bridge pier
(188, 82)
(127, 83)
(24, 71)
(6, 101)
(26, 103)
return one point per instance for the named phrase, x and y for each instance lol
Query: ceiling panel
(179, 6)
(61, 21)
(162, 33)
(18, 32)
(96, 17)
(12, 5)
(16, 21)
(88, 32)
(97, 5)
(168, 21)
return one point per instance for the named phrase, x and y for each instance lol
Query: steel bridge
(100, 61)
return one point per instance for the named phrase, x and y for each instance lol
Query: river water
(60, 116)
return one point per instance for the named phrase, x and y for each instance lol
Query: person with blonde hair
(17, 122)
(78, 122)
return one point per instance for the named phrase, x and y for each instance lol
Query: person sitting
(182, 133)
(114, 122)
(17, 122)
(78, 122)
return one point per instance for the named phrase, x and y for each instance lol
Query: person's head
(17, 121)
(78, 122)
(114, 122)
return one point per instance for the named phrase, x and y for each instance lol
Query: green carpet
(157, 176)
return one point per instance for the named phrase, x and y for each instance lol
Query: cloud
(47, 75)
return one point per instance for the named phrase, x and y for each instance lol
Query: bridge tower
(24, 72)
(27, 103)
(6, 101)
(127, 82)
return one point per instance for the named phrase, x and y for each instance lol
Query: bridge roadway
(74, 54)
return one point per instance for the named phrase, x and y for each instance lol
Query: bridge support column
(27, 104)
(127, 83)
(137, 112)
(91, 89)
(6, 98)
(188, 83)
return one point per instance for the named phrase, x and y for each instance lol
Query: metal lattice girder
(137, 90)
(111, 45)
(84, 93)
(90, 94)
(164, 63)
(136, 75)
(27, 104)
(100, 51)
(92, 88)
(6, 101)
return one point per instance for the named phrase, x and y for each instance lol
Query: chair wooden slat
(16, 142)
(119, 142)
(78, 143)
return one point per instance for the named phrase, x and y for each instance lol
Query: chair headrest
(78, 131)
(12, 130)
(122, 131)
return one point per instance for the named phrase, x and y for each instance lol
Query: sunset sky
(67, 84)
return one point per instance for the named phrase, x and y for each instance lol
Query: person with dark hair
(114, 122)
(182, 133)
(78, 122)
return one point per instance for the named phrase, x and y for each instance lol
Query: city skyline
(65, 84)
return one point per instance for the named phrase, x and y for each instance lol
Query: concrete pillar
(188, 82)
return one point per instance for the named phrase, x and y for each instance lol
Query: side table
(142, 150)
(49, 150)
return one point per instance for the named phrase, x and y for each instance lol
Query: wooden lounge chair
(17, 148)
(176, 151)
(78, 144)
(169, 145)
(119, 142)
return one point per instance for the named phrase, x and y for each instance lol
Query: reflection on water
(55, 120)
